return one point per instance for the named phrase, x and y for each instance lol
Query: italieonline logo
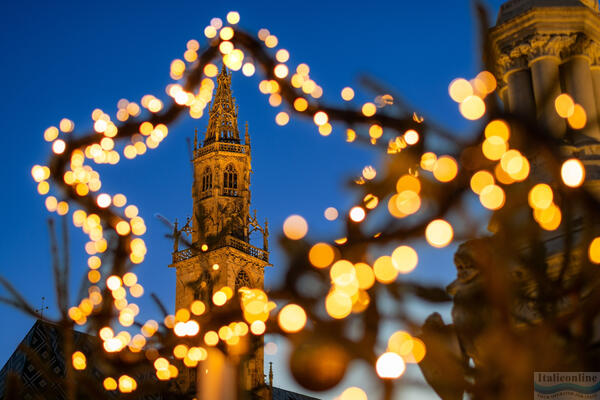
(566, 385)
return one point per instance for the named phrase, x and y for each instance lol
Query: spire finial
(222, 121)
(195, 138)
(247, 135)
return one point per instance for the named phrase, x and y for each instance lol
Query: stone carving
(563, 46)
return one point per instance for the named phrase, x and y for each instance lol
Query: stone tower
(545, 48)
(221, 253)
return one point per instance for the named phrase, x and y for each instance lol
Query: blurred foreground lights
(103, 200)
(50, 134)
(353, 393)
(347, 93)
(110, 384)
(338, 305)
(594, 251)
(369, 109)
(233, 17)
(494, 147)
(405, 259)
(79, 361)
(321, 118)
(282, 55)
(295, 227)
(127, 384)
(357, 214)
(282, 118)
(492, 197)
(292, 318)
(439, 233)
(321, 255)
(572, 173)
(445, 169)
(540, 196)
(497, 128)
(385, 270)
(564, 105)
(58, 147)
(248, 69)
(271, 348)
(331, 214)
(369, 172)
(459, 89)
(579, 118)
(472, 108)
(258, 327)
(390, 366)
(40, 173)
(411, 137)
(480, 180)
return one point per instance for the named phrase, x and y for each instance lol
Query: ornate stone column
(544, 63)
(520, 94)
(595, 69)
(579, 83)
(516, 74)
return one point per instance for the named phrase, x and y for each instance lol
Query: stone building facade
(544, 48)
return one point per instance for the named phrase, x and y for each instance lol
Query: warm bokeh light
(353, 393)
(347, 93)
(564, 105)
(384, 269)
(540, 196)
(498, 128)
(417, 353)
(445, 169)
(405, 259)
(400, 343)
(110, 384)
(549, 219)
(357, 214)
(292, 318)
(578, 119)
(369, 109)
(233, 17)
(472, 108)
(79, 360)
(494, 147)
(572, 172)
(594, 251)
(331, 214)
(282, 118)
(492, 197)
(408, 202)
(369, 172)
(459, 89)
(411, 137)
(481, 179)
(295, 227)
(365, 275)
(439, 233)
(338, 305)
(390, 366)
(321, 255)
(320, 118)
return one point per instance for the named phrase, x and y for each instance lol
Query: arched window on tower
(230, 181)
(242, 280)
(206, 182)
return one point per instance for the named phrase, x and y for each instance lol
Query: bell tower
(221, 254)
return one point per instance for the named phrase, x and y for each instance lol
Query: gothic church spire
(222, 121)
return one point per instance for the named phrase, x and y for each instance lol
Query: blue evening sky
(63, 59)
